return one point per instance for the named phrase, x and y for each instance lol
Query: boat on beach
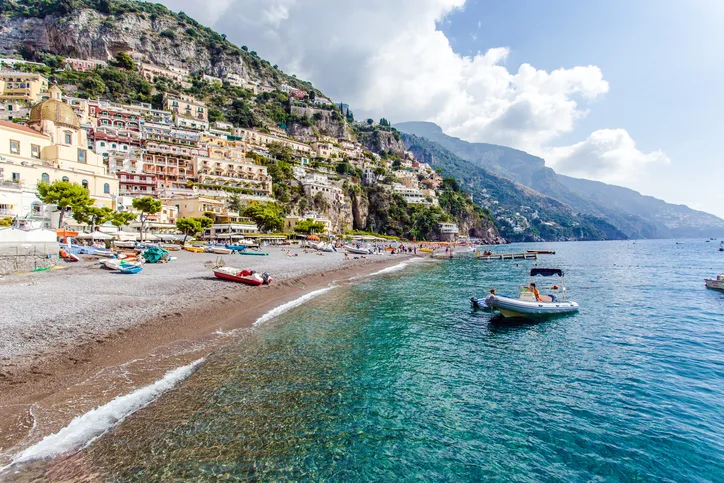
(247, 277)
(357, 251)
(130, 269)
(220, 250)
(715, 283)
(527, 305)
(193, 249)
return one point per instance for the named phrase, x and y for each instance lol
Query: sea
(396, 378)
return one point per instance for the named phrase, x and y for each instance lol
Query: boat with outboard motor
(528, 305)
(247, 277)
(715, 283)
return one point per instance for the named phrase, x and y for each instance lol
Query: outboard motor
(267, 279)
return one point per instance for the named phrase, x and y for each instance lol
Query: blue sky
(617, 91)
(662, 59)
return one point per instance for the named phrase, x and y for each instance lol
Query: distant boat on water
(715, 283)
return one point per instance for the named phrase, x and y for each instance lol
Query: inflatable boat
(528, 306)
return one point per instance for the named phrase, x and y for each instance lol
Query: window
(45, 178)
(10, 107)
(103, 144)
(106, 188)
(14, 146)
(81, 155)
(16, 177)
(65, 178)
(84, 183)
(35, 151)
(68, 138)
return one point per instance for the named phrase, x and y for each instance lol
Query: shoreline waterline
(208, 329)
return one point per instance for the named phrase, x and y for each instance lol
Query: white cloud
(607, 155)
(389, 59)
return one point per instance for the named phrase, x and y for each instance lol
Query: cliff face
(326, 123)
(167, 40)
(377, 140)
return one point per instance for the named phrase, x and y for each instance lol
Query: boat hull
(509, 307)
(231, 274)
(193, 249)
(358, 251)
(714, 284)
(220, 251)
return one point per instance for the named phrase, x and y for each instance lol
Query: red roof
(20, 127)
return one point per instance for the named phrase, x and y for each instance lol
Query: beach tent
(13, 235)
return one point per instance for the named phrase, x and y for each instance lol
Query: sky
(629, 93)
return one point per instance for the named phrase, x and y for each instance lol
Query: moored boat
(247, 277)
(715, 283)
(528, 306)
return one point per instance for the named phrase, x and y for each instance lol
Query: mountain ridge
(637, 215)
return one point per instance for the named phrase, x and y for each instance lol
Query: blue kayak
(130, 269)
(238, 248)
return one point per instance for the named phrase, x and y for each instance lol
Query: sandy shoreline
(78, 337)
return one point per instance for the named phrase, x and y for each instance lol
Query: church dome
(55, 110)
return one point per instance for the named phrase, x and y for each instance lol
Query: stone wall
(16, 258)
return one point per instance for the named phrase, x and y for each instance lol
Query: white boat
(124, 244)
(528, 306)
(116, 264)
(220, 250)
(357, 251)
(715, 283)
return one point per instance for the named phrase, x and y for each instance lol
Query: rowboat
(129, 269)
(259, 254)
(115, 264)
(193, 249)
(71, 257)
(220, 250)
(170, 247)
(247, 277)
(238, 248)
(425, 250)
(716, 284)
(528, 306)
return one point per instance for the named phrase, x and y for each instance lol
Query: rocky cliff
(148, 31)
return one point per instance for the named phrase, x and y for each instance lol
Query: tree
(309, 226)
(64, 195)
(147, 206)
(206, 221)
(121, 218)
(384, 122)
(235, 203)
(92, 215)
(370, 121)
(124, 61)
(267, 217)
(6, 221)
(280, 151)
(312, 95)
(189, 226)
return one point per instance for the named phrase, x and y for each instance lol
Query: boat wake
(85, 429)
(290, 305)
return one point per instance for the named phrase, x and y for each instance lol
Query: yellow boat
(425, 250)
(193, 249)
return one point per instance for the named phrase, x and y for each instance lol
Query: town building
(189, 112)
(229, 232)
(13, 109)
(290, 222)
(22, 86)
(176, 74)
(233, 173)
(448, 231)
(368, 177)
(84, 65)
(315, 183)
(51, 147)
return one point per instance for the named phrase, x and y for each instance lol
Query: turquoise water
(395, 378)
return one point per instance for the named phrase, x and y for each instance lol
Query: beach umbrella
(97, 235)
(63, 233)
(313, 238)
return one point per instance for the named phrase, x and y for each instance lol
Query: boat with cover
(715, 283)
(528, 306)
(247, 277)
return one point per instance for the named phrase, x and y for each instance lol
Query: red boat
(242, 276)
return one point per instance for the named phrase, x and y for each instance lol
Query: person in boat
(490, 296)
(535, 291)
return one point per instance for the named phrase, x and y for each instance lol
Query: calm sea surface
(395, 378)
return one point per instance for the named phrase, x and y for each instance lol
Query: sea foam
(396, 268)
(290, 305)
(85, 429)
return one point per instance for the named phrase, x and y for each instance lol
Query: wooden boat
(528, 306)
(542, 252)
(246, 277)
(258, 254)
(129, 269)
(716, 284)
(193, 249)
